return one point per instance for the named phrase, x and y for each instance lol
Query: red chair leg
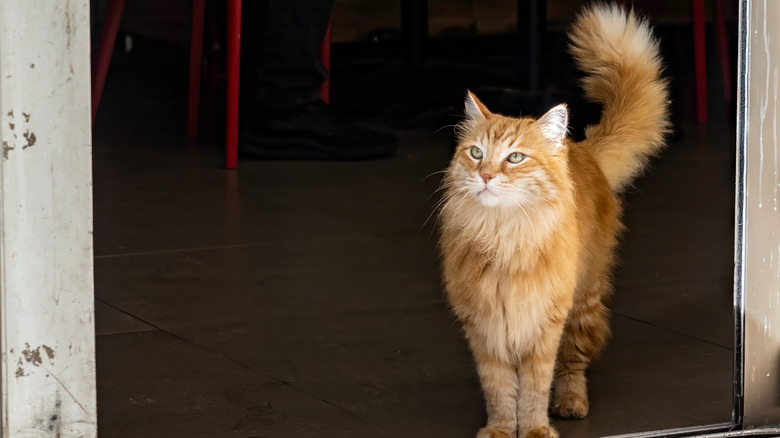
(723, 50)
(700, 60)
(105, 51)
(325, 59)
(196, 60)
(233, 74)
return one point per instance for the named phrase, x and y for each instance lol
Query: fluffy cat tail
(619, 54)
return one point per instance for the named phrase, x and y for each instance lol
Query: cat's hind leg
(584, 336)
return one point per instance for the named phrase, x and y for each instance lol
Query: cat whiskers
(434, 173)
(446, 126)
(528, 216)
(445, 198)
(434, 210)
(444, 185)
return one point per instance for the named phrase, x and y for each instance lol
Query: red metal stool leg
(105, 51)
(196, 60)
(325, 59)
(700, 60)
(723, 50)
(233, 74)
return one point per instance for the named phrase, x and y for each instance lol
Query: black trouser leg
(282, 69)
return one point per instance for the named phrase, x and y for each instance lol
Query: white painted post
(47, 341)
(758, 232)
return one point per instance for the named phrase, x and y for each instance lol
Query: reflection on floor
(299, 299)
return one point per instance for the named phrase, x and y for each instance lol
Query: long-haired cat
(530, 221)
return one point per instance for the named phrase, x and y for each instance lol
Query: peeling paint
(32, 356)
(30, 137)
(6, 149)
(49, 352)
(20, 369)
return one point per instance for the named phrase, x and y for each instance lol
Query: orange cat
(530, 221)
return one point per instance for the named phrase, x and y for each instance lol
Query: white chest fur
(509, 316)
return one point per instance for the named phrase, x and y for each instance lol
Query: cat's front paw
(570, 406)
(542, 432)
(487, 432)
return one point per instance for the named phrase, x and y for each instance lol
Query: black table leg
(414, 24)
(531, 29)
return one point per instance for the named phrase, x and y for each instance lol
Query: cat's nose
(486, 177)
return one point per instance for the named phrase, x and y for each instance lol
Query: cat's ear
(555, 124)
(475, 110)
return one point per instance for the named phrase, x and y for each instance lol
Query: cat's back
(593, 196)
(598, 211)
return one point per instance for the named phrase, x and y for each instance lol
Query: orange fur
(528, 246)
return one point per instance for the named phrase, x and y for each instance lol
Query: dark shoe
(314, 132)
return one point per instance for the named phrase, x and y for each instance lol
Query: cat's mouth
(487, 197)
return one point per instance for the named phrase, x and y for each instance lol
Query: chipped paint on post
(47, 370)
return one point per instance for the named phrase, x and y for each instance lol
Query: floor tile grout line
(250, 369)
(411, 306)
(673, 331)
(667, 282)
(122, 332)
(218, 247)
(191, 249)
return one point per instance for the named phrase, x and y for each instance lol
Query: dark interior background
(302, 299)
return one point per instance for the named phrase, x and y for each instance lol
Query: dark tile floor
(300, 299)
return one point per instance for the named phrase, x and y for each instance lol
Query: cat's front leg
(536, 373)
(499, 385)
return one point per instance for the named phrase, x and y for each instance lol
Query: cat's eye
(476, 153)
(515, 157)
